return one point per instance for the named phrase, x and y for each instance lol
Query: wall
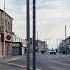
(1, 48)
(5, 18)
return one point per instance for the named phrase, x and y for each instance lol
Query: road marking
(17, 65)
(20, 66)
(11, 59)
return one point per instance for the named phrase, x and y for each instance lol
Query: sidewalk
(5, 60)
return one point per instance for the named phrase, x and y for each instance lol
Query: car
(42, 51)
(52, 52)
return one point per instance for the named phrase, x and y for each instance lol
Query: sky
(51, 18)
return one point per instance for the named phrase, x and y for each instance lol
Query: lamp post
(28, 34)
(34, 34)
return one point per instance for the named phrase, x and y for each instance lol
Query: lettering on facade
(15, 45)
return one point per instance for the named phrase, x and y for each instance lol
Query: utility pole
(37, 35)
(28, 34)
(65, 32)
(34, 34)
(46, 44)
(37, 41)
(65, 40)
(60, 40)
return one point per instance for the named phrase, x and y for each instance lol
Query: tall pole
(65, 31)
(37, 35)
(46, 44)
(28, 34)
(37, 38)
(34, 34)
(65, 41)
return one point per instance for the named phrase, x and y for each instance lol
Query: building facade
(17, 48)
(40, 45)
(64, 47)
(6, 38)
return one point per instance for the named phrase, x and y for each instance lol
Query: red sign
(8, 37)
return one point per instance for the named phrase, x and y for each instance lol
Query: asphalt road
(43, 62)
(53, 62)
(9, 67)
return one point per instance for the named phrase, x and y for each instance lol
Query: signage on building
(8, 37)
(15, 44)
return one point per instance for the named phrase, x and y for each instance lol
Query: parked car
(42, 51)
(53, 52)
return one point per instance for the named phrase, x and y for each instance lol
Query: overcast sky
(51, 17)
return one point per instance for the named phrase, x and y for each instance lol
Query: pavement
(5, 60)
(5, 65)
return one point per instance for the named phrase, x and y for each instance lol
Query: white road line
(20, 66)
(11, 59)
(17, 65)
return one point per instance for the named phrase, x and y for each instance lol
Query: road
(53, 62)
(9, 67)
(43, 62)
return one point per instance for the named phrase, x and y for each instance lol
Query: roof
(6, 13)
(68, 38)
(18, 43)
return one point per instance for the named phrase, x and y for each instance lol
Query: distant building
(40, 45)
(64, 46)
